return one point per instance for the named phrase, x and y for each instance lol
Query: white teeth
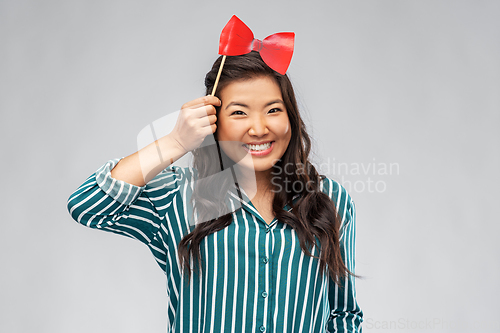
(259, 147)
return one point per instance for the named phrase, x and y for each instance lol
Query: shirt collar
(240, 199)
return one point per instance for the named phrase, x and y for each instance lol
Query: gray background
(413, 83)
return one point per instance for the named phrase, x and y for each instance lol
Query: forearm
(105, 203)
(142, 166)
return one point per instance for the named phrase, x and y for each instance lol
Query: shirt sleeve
(345, 313)
(112, 205)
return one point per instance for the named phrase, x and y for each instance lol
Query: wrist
(171, 147)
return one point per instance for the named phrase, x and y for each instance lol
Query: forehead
(259, 89)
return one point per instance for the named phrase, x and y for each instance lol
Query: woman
(250, 238)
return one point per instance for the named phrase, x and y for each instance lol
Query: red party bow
(276, 50)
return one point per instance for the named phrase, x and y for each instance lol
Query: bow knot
(256, 45)
(276, 50)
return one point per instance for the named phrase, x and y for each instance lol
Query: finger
(205, 100)
(212, 119)
(201, 112)
(208, 130)
(207, 121)
(210, 110)
(211, 129)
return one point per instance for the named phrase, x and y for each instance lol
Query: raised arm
(196, 120)
(132, 196)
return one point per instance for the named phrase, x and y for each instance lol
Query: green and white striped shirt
(254, 276)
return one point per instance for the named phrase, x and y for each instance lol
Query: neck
(254, 183)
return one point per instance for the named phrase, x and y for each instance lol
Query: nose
(258, 126)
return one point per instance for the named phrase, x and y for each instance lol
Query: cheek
(284, 129)
(287, 133)
(287, 128)
(284, 125)
(230, 130)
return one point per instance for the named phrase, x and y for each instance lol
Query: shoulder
(344, 204)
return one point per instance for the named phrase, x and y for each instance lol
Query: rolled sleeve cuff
(119, 190)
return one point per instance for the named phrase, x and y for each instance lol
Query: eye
(274, 110)
(238, 113)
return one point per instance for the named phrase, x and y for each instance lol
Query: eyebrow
(246, 106)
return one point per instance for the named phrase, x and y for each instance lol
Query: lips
(258, 147)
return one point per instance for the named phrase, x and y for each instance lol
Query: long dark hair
(313, 215)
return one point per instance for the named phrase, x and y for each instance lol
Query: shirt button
(265, 260)
(264, 294)
(262, 328)
(267, 230)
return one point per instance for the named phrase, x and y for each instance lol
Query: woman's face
(252, 125)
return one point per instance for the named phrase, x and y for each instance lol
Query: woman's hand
(196, 120)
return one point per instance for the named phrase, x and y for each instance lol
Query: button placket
(267, 276)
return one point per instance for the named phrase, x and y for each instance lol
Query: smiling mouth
(263, 146)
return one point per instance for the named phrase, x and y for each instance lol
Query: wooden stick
(218, 75)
